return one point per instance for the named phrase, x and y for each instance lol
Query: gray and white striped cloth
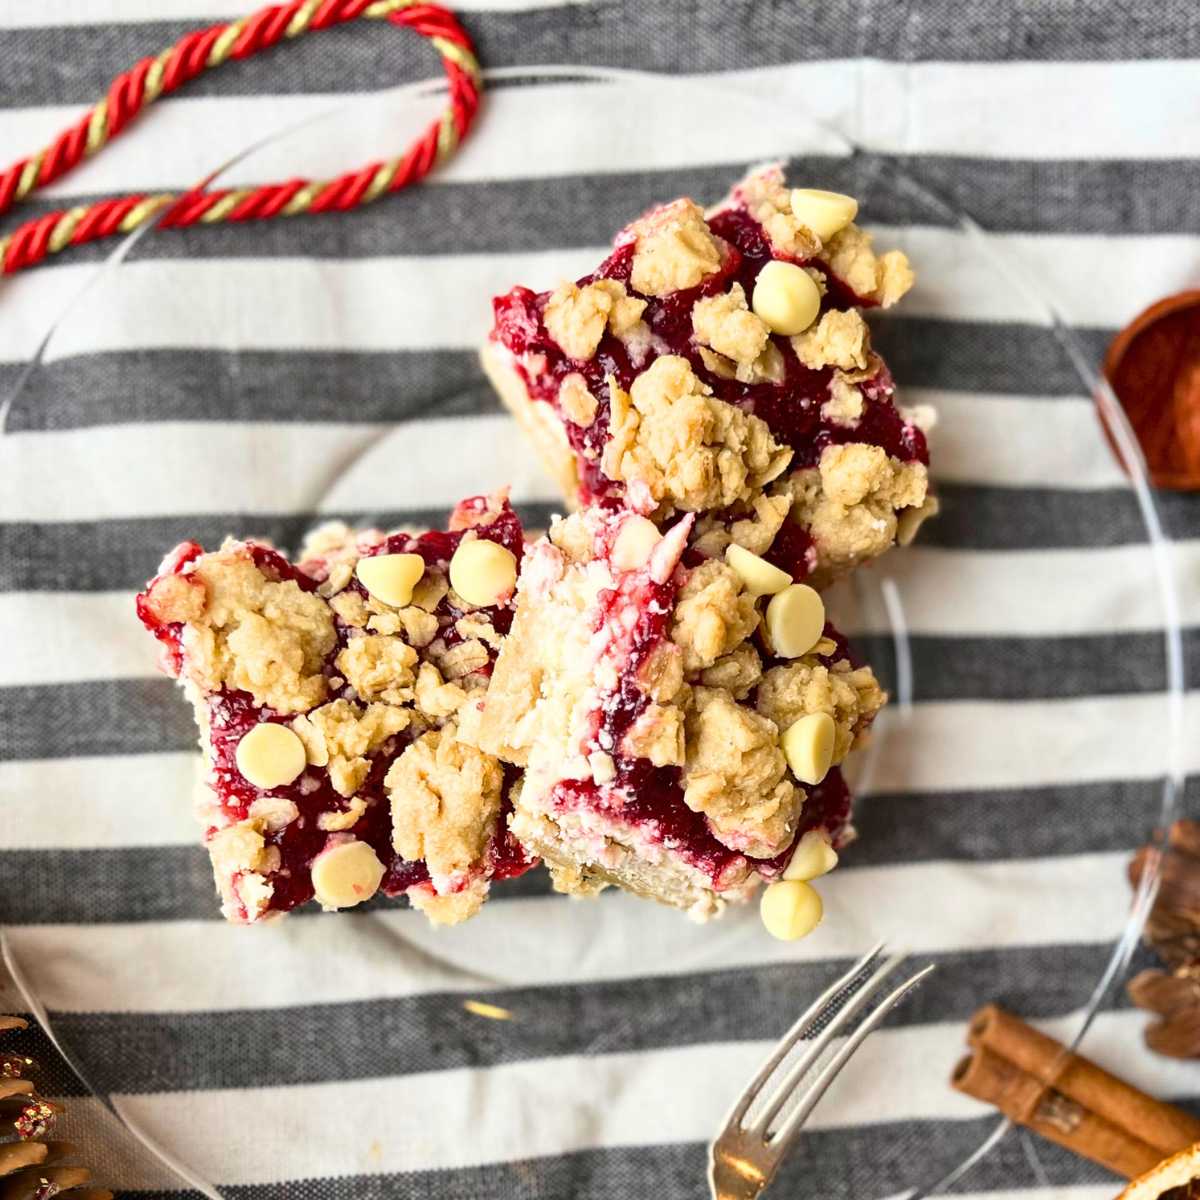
(240, 379)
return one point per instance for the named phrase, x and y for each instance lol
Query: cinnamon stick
(1025, 1100)
(1064, 1097)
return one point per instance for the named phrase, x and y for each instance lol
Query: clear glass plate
(1030, 640)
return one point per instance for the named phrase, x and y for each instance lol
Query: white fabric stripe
(100, 803)
(1092, 280)
(543, 942)
(1018, 593)
(582, 1102)
(70, 637)
(50, 14)
(526, 132)
(398, 303)
(993, 109)
(937, 747)
(1015, 441)
(977, 744)
(73, 636)
(164, 468)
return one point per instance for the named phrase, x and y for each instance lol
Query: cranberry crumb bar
(328, 694)
(679, 719)
(719, 364)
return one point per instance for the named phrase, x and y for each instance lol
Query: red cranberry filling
(791, 408)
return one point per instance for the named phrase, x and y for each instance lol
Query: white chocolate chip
(808, 746)
(911, 520)
(786, 297)
(790, 910)
(759, 576)
(635, 543)
(825, 213)
(391, 577)
(270, 755)
(483, 573)
(812, 858)
(795, 620)
(346, 875)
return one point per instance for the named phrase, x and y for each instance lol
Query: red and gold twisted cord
(198, 51)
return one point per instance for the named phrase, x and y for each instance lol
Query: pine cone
(30, 1167)
(1173, 932)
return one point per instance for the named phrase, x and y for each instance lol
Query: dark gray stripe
(142, 386)
(1025, 668)
(75, 64)
(834, 1164)
(121, 554)
(144, 883)
(967, 356)
(998, 518)
(141, 716)
(173, 883)
(133, 386)
(147, 1052)
(1006, 824)
(1117, 197)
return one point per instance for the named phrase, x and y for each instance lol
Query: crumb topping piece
(849, 502)
(577, 317)
(341, 735)
(735, 775)
(737, 673)
(725, 323)
(576, 402)
(845, 404)
(714, 614)
(883, 278)
(245, 631)
(850, 696)
(379, 667)
(674, 250)
(445, 799)
(671, 437)
(838, 339)
(754, 532)
(769, 201)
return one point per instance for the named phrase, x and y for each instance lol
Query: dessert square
(719, 364)
(328, 694)
(678, 719)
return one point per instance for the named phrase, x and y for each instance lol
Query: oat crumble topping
(445, 800)
(674, 249)
(735, 775)
(725, 323)
(695, 452)
(838, 339)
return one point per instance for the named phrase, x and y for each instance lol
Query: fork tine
(794, 1034)
(787, 1085)
(787, 1133)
